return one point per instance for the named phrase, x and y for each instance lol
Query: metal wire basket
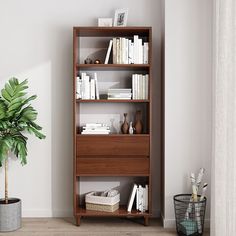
(189, 215)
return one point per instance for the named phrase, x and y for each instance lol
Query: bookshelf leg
(77, 221)
(146, 220)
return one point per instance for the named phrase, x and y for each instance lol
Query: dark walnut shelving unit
(113, 154)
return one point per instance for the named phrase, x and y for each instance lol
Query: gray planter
(10, 215)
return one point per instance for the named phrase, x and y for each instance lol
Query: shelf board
(115, 135)
(112, 66)
(112, 101)
(112, 31)
(122, 211)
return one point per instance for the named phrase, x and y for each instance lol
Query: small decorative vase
(131, 129)
(138, 123)
(125, 125)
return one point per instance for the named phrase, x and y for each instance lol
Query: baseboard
(170, 223)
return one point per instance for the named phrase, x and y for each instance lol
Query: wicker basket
(96, 202)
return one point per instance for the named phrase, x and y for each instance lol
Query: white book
(86, 87)
(83, 75)
(143, 86)
(95, 132)
(114, 51)
(136, 50)
(146, 198)
(92, 89)
(140, 51)
(96, 86)
(126, 51)
(145, 52)
(94, 125)
(131, 52)
(137, 199)
(140, 198)
(146, 86)
(131, 197)
(123, 51)
(78, 87)
(118, 50)
(108, 52)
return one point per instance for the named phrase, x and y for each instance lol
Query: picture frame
(105, 22)
(121, 17)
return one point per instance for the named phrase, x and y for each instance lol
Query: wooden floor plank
(90, 227)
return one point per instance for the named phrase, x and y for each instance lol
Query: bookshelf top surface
(111, 31)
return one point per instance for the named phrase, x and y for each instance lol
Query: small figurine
(97, 61)
(88, 61)
(131, 129)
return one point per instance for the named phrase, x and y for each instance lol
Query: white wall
(188, 26)
(36, 43)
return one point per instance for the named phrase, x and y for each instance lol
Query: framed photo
(121, 16)
(105, 22)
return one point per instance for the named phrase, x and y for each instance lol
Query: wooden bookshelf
(113, 154)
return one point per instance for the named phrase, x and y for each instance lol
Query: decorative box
(94, 201)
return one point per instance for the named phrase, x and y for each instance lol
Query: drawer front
(112, 145)
(112, 166)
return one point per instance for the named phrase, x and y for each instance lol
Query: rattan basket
(99, 203)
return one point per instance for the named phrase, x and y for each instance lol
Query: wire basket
(189, 215)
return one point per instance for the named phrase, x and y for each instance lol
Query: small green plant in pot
(17, 118)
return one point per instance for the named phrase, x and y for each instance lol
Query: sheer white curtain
(223, 195)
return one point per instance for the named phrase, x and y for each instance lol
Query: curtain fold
(223, 193)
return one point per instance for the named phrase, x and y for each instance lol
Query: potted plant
(17, 117)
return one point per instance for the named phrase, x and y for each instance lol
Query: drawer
(112, 166)
(112, 145)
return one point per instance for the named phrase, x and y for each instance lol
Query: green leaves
(16, 117)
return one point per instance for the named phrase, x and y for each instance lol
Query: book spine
(140, 51)
(96, 86)
(136, 50)
(146, 86)
(92, 89)
(108, 52)
(145, 53)
(126, 51)
(78, 87)
(114, 56)
(83, 75)
(118, 50)
(87, 87)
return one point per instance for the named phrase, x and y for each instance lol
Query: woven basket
(100, 207)
(96, 202)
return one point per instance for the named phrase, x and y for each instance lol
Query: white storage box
(96, 202)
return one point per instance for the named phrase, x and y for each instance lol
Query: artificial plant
(17, 117)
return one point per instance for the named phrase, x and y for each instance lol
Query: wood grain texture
(90, 227)
(112, 145)
(112, 167)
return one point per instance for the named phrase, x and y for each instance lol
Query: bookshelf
(116, 154)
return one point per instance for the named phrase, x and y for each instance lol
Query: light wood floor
(89, 227)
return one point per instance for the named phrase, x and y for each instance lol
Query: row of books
(140, 86)
(119, 94)
(86, 87)
(127, 51)
(95, 128)
(141, 194)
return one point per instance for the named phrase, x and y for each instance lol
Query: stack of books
(95, 128)
(140, 86)
(128, 51)
(141, 194)
(119, 94)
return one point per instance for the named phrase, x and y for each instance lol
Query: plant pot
(10, 214)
